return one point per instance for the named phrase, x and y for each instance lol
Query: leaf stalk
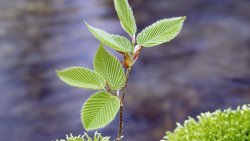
(119, 136)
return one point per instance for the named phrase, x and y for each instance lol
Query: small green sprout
(109, 76)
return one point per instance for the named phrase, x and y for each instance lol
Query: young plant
(108, 76)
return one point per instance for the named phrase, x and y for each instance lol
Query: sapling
(110, 77)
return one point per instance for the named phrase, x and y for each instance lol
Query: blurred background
(206, 67)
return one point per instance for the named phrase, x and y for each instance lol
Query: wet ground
(205, 68)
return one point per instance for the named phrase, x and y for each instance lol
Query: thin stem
(119, 137)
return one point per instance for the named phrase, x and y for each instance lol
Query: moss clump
(85, 137)
(227, 125)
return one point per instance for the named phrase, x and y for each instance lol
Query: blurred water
(36, 38)
(205, 68)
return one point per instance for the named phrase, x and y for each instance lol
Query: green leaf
(110, 68)
(160, 32)
(116, 42)
(82, 77)
(126, 16)
(99, 110)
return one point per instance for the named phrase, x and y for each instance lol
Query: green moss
(227, 125)
(85, 137)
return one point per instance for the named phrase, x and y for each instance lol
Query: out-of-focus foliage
(85, 137)
(227, 125)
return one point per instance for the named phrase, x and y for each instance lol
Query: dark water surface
(205, 68)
